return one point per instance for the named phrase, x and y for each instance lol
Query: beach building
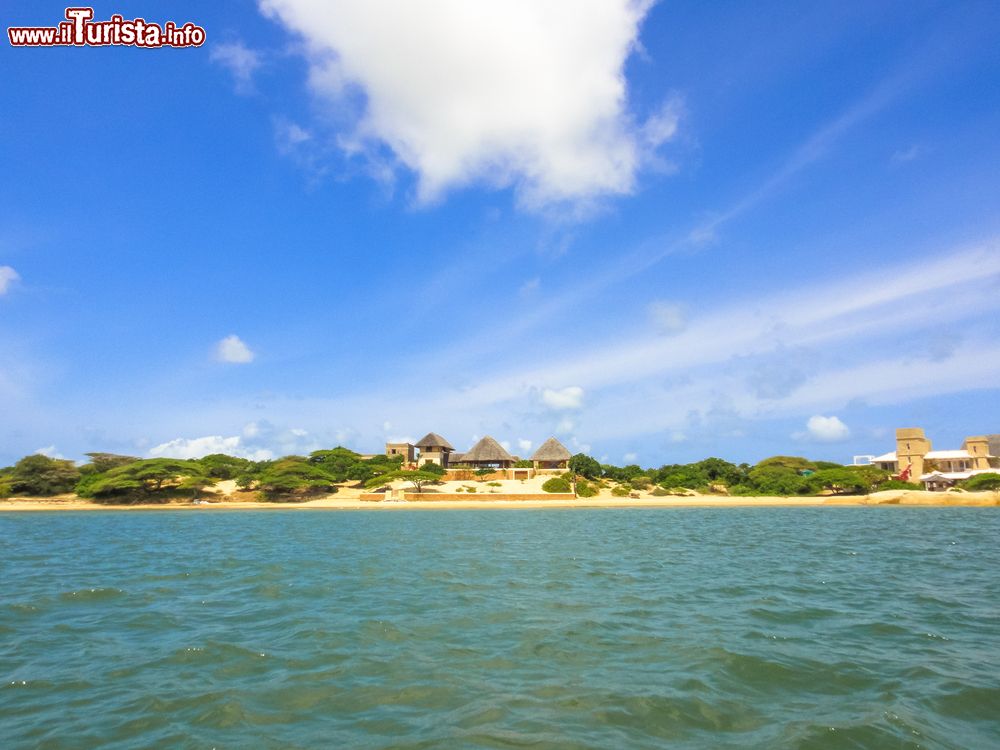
(488, 454)
(407, 450)
(551, 455)
(915, 459)
(434, 449)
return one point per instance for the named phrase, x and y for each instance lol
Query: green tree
(417, 478)
(291, 478)
(840, 481)
(775, 479)
(982, 482)
(585, 466)
(150, 480)
(221, 466)
(42, 476)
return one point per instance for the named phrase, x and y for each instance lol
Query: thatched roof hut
(487, 452)
(551, 455)
(433, 442)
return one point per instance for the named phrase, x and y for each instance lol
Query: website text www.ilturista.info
(80, 30)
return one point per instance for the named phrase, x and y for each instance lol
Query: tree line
(117, 479)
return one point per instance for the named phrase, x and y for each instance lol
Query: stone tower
(911, 447)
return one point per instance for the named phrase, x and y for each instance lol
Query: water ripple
(762, 628)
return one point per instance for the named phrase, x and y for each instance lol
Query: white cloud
(7, 277)
(251, 430)
(564, 399)
(240, 60)
(565, 426)
(827, 429)
(667, 317)
(630, 458)
(50, 451)
(524, 445)
(505, 444)
(233, 349)
(501, 92)
(204, 446)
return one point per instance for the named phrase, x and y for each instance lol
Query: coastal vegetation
(120, 479)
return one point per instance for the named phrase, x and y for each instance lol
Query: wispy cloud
(241, 61)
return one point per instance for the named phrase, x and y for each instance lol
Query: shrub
(621, 491)
(523, 463)
(41, 475)
(982, 482)
(432, 468)
(660, 492)
(641, 482)
(556, 484)
(586, 489)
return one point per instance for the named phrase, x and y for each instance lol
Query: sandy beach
(349, 499)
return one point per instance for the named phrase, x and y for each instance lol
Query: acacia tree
(417, 478)
(146, 480)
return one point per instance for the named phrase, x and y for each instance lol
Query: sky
(658, 231)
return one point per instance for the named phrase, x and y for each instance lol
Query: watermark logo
(81, 30)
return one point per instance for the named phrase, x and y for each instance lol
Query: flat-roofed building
(915, 460)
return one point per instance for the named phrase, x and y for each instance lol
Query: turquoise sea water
(769, 628)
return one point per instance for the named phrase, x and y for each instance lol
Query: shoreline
(334, 502)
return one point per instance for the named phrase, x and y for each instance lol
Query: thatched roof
(433, 440)
(487, 450)
(551, 450)
(456, 458)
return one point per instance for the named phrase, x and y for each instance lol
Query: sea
(564, 628)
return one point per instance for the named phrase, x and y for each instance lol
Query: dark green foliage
(586, 489)
(840, 481)
(788, 462)
(641, 482)
(432, 468)
(585, 466)
(221, 466)
(292, 478)
(345, 465)
(775, 479)
(41, 476)
(982, 482)
(701, 474)
(523, 464)
(484, 472)
(827, 465)
(151, 480)
(556, 484)
(621, 491)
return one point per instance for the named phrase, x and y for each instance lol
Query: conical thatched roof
(487, 450)
(551, 450)
(433, 440)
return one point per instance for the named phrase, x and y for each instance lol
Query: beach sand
(226, 498)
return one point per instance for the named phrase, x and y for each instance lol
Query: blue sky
(658, 231)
